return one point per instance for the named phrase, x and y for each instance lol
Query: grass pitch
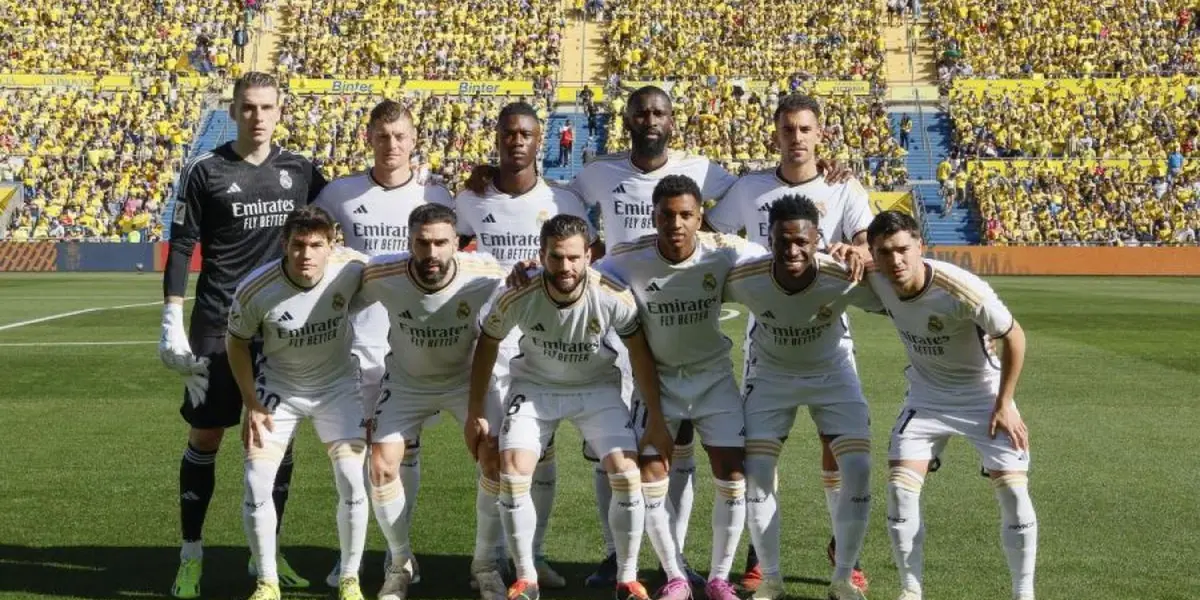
(90, 442)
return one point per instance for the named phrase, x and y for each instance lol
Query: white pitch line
(73, 313)
(729, 313)
(40, 344)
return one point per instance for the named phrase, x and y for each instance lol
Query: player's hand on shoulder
(481, 177)
(522, 273)
(834, 171)
(857, 260)
(1008, 420)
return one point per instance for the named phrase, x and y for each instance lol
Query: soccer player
(677, 276)
(567, 370)
(506, 222)
(948, 319)
(844, 216)
(372, 209)
(300, 307)
(432, 296)
(232, 201)
(800, 355)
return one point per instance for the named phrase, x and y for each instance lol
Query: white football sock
(627, 513)
(604, 496)
(762, 505)
(410, 479)
(905, 526)
(258, 510)
(1018, 530)
(831, 482)
(352, 513)
(854, 503)
(520, 520)
(389, 501)
(545, 480)
(682, 492)
(487, 520)
(658, 527)
(728, 520)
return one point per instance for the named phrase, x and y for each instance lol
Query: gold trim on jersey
(758, 267)
(613, 286)
(376, 271)
(832, 268)
(253, 287)
(720, 240)
(511, 295)
(960, 290)
(474, 265)
(641, 243)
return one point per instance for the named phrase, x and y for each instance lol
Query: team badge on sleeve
(494, 320)
(710, 282)
(542, 217)
(339, 301)
(935, 324)
(824, 313)
(285, 180)
(594, 326)
(464, 310)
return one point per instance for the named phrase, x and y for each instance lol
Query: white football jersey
(564, 346)
(623, 193)
(374, 221)
(946, 330)
(680, 303)
(510, 227)
(432, 334)
(800, 333)
(305, 331)
(844, 207)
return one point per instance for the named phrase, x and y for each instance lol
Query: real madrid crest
(935, 324)
(494, 320)
(824, 313)
(821, 208)
(285, 180)
(542, 217)
(339, 301)
(464, 310)
(710, 282)
(594, 326)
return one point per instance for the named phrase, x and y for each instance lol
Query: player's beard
(432, 279)
(644, 146)
(555, 281)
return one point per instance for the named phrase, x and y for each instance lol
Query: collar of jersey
(637, 169)
(784, 291)
(683, 263)
(371, 176)
(292, 282)
(779, 177)
(556, 303)
(417, 282)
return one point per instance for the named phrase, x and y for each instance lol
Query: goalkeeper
(233, 201)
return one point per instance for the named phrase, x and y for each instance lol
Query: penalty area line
(47, 344)
(75, 313)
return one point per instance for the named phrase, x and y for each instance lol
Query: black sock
(751, 559)
(197, 477)
(283, 483)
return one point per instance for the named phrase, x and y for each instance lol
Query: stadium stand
(1064, 38)
(650, 39)
(482, 39)
(97, 165)
(1117, 202)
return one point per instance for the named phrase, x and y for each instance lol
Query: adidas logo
(361, 210)
(768, 315)
(234, 189)
(489, 219)
(539, 327)
(620, 189)
(287, 316)
(406, 315)
(653, 287)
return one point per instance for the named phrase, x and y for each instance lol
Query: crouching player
(300, 308)
(567, 370)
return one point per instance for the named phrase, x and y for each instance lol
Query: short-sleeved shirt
(509, 227)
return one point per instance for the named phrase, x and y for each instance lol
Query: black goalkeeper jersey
(235, 211)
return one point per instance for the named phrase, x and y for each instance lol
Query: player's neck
(790, 283)
(299, 280)
(251, 152)
(391, 178)
(451, 273)
(647, 164)
(673, 256)
(516, 183)
(917, 285)
(561, 299)
(798, 173)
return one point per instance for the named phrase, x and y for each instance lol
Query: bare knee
(385, 463)
(206, 440)
(727, 462)
(654, 468)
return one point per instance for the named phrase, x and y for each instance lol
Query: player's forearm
(242, 366)
(482, 363)
(645, 374)
(598, 250)
(1012, 360)
(175, 273)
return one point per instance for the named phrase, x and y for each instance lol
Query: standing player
(800, 355)
(372, 208)
(506, 221)
(299, 307)
(232, 201)
(432, 296)
(677, 277)
(947, 319)
(567, 370)
(845, 214)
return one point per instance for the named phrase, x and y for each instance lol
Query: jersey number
(514, 405)
(271, 401)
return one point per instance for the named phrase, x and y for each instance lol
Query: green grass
(90, 441)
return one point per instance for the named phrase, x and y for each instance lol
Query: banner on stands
(1173, 87)
(1067, 260)
(21, 80)
(342, 86)
(901, 201)
(1057, 165)
(471, 88)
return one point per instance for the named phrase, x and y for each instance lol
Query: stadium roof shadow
(105, 572)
